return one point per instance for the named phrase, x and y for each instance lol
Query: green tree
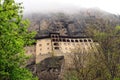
(108, 38)
(14, 36)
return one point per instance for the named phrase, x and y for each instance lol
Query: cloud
(54, 5)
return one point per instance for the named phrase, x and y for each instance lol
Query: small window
(60, 39)
(64, 40)
(72, 40)
(57, 40)
(89, 40)
(68, 40)
(47, 48)
(56, 36)
(56, 44)
(81, 40)
(53, 39)
(40, 49)
(40, 44)
(52, 36)
(56, 48)
(85, 40)
(47, 43)
(76, 40)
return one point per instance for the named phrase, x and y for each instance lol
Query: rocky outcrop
(48, 69)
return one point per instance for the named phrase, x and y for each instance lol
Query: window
(81, 40)
(60, 39)
(57, 40)
(89, 40)
(56, 44)
(53, 39)
(40, 44)
(56, 48)
(68, 40)
(72, 40)
(85, 40)
(47, 43)
(52, 36)
(76, 40)
(64, 40)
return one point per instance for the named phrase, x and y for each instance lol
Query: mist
(69, 6)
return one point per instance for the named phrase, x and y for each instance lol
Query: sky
(112, 6)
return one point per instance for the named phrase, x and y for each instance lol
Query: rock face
(49, 69)
(71, 24)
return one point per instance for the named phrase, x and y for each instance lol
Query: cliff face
(71, 24)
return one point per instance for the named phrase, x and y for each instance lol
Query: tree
(14, 36)
(84, 64)
(104, 64)
(108, 38)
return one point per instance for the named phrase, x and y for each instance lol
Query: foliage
(108, 49)
(14, 36)
(104, 64)
(71, 75)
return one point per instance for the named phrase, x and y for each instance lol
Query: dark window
(56, 36)
(68, 40)
(47, 43)
(60, 39)
(89, 40)
(52, 36)
(56, 48)
(57, 40)
(64, 40)
(85, 40)
(72, 40)
(81, 40)
(53, 40)
(56, 44)
(76, 40)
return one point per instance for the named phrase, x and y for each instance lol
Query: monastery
(58, 45)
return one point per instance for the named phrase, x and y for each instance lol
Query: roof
(49, 36)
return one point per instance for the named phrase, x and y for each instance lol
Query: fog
(69, 6)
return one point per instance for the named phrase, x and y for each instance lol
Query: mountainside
(71, 24)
